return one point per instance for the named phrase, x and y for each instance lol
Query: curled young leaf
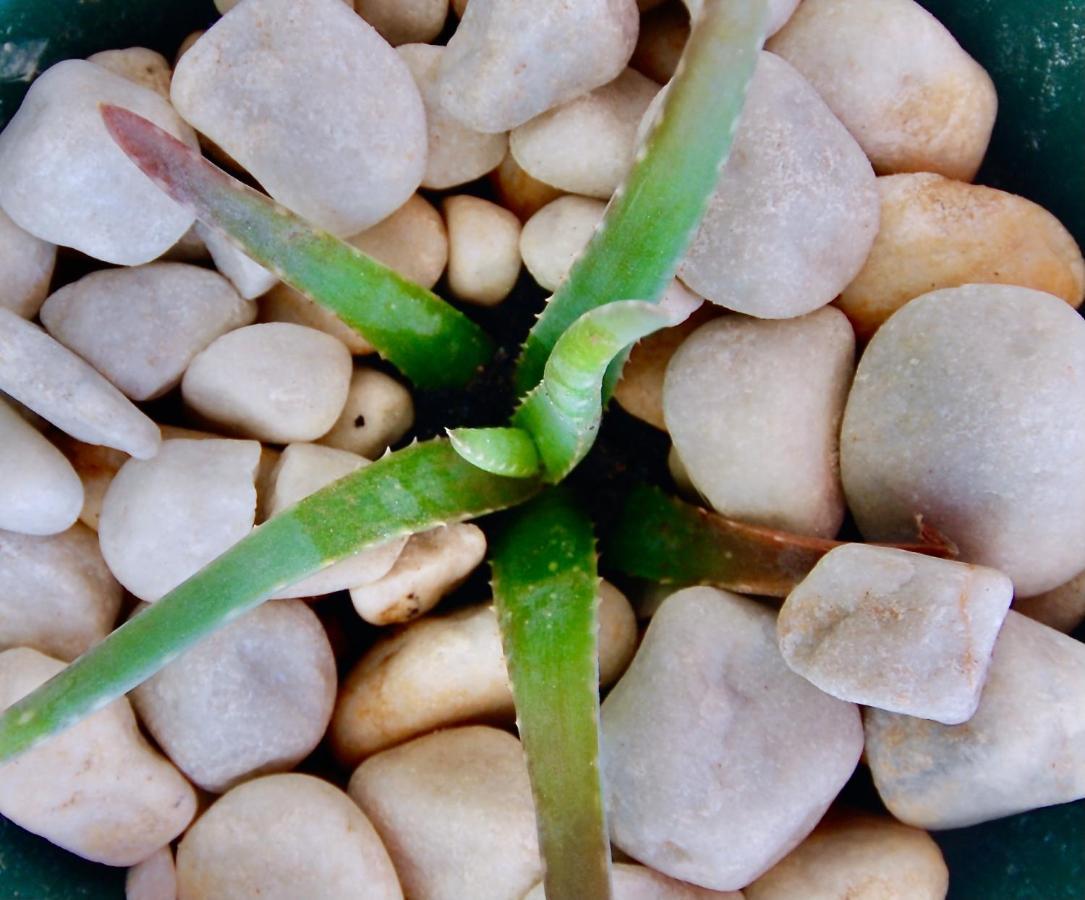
(501, 451)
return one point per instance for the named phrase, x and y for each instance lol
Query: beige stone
(519, 192)
(556, 235)
(26, 268)
(662, 38)
(284, 304)
(249, 278)
(404, 21)
(483, 249)
(96, 467)
(412, 240)
(144, 67)
(155, 878)
(1061, 608)
(630, 882)
(378, 412)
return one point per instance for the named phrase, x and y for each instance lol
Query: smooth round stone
(65, 180)
(404, 21)
(445, 670)
(518, 192)
(494, 76)
(454, 809)
(254, 697)
(412, 240)
(661, 40)
(26, 268)
(300, 91)
(141, 327)
(40, 493)
(556, 235)
(930, 109)
(457, 154)
(965, 410)
(97, 789)
(282, 837)
(96, 467)
(938, 233)
(165, 518)
(1023, 749)
(631, 882)
(1061, 608)
(56, 593)
(860, 857)
(155, 878)
(249, 278)
(144, 67)
(47, 377)
(433, 563)
(378, 412)
(483, 250)
(895, 630)
(754, 409)
(796, 209)
(586, 146)
(718, 759)
(275, 382)
(284, 304)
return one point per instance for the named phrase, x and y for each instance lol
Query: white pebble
(65, 180)
(518, 192)
(253, 698)
(249, 278)
(914, 100)
(140, 65)
(56, 593)
(155, 878)
(40, 493)
(455, 811)
(586, 146)
(1061, 608)
(483, 250)
(96, 467)
(556, 235)
(718, 759)
(796, 208)
(283, 837)
(284, 304)
(275, 382)
(312, 102)
(98, 789)
(378, 412)
(26, 267)
(164, 519)
(141, 327)
(412, 240)
(962, 412)
(46, 376)
(496, 73)
(404, 21)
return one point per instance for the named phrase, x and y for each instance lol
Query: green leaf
(501, 451)
(546, 594)
(652, 218)
(429, 341)
(412, 490)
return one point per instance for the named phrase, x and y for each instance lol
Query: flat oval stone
(141, 327)
(483, 249)
(97, 789)
(40, 493)
(796, 208)
(454, 809)
(310, 100)
(556, 235)
(65, 180)
(968, 409)
(165, 518)
(276, 382)
(379, 411)
(282, 837)
(718, 759)
(254, 697)
(754, 409)
(26, 267)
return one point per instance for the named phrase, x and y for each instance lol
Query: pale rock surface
(404, 21)
(189, 248)
(378, 412)
(142, 326)
(312, 102)
(26, 268)
(164, 519)
(719, 760)
(454, 809)
(433, 563)
(1023, 749)
(444, 670)
(249, 278)
(518, 192)
(98, 789)
(895, 630)
(457, 154)
(586, 146)
(412, 240)
(630, 882)
(253, 698)
(938, 233)
(56, 593)
(859, 857)
(968, 409)
(1061, 608)
(282, 837)
(145, 67)
(40, 492)
(930, 109)
(96, 467)
(47, 377)
(192, 37)
(275, 382)
(556, 235)
(796, 208)
(301, 470)
(662, 38)
(754, 408)
(284, 304)
(65, 180)
(483, 249)
(494, 76)
(155, 878)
